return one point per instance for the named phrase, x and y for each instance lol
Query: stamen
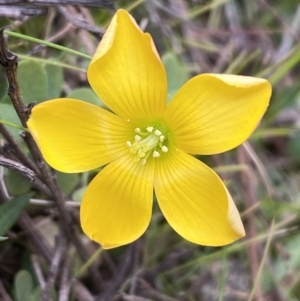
(141, 153)
(164, 149)
(156, 154)
(137, 138)
(147, 142)
(149, 129)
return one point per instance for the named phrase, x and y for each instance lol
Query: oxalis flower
(147, 144)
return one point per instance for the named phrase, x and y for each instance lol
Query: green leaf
(86, 94)
(23, 286)
(10, 211)
(78, 194)
(67, 182)
(177, 74)
(16, 183)
(8, 113)
(37, 294)
(55, 79)
(33, 81)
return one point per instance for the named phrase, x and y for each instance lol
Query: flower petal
(214, 113)
(76, 136)
(116, 208)
(195, 201)
(126, 71)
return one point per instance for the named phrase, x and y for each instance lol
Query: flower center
(150, 141)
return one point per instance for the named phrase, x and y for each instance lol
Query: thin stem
(35, 40)
(19, 127)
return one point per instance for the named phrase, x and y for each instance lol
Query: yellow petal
(76, 136)
(214, 113)
(126, 71)
(116, 208)
(195, 201)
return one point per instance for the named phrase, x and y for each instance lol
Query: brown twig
(38, 270)
(54, 268)
(92, 3)
(18, 167)
(3, 293)
(65, 281)
(80, 22)
(17, 151)
(37, 183)
(120, 275)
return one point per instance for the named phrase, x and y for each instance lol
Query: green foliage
(8, 113)
(177, 73)
(16, 183)
(39, 82)
(10, 211)
(23, 286)
(55, 78)
(25, 290)
(33, 81)
(67, 182)
(86, 94)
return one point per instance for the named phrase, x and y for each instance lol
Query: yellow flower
(148, 144)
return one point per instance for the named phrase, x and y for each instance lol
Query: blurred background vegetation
(41, 260)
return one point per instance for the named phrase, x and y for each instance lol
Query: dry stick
(37, 183)
(65, 281)
(82, 294)
(35, 236)
(9, 62)
(92, 3)
(21, 13)
(145, 290)
(122, 272)
(54, 268)
(18, 167)
(3, 293)
(38, 270)
(80, 22)
(17, 151)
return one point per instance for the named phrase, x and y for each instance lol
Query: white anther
(128, 144)
(137, 130)
(164, 149)
(143, 162)
(157, 132)
(156, 154)
(162, 138)
(149, 129)
(137, 138)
